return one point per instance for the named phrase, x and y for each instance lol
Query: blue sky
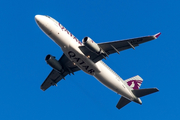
(24, 47)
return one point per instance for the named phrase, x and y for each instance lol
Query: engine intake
(53, 62)
(91, 45)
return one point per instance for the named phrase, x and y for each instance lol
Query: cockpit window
(52, 19)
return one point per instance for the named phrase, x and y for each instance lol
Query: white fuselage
(70, 46)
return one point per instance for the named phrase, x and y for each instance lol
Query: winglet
(157, 35)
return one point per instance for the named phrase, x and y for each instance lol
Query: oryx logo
(135, 84)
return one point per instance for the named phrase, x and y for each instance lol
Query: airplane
(87, 56)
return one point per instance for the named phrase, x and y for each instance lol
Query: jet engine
(53, 63)
(91, 45)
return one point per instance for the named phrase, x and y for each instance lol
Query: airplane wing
(54, 77)
(116, 46)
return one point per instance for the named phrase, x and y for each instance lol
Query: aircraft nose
(43, 22)
(40, 20)
(38, 17)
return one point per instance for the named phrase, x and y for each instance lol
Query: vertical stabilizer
(134, 82)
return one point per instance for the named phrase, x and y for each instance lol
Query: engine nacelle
(91, 45)
(53, 63)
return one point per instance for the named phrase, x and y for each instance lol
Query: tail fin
(143, 92)
(134, 82)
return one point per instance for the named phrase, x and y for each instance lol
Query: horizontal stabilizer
(143, 92)
(122, 102)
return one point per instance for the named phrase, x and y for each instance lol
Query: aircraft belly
(58, 36)
(80, 60)
(108, 78)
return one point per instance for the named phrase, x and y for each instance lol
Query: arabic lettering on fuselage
(64, 29)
